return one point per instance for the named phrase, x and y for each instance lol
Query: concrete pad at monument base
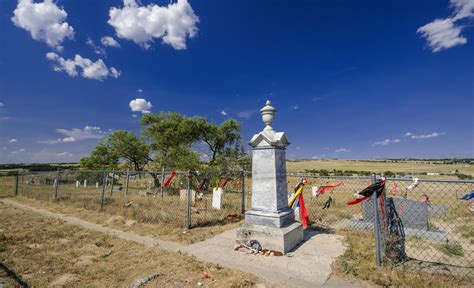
(308, 266)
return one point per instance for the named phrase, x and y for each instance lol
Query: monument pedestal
(282, 239)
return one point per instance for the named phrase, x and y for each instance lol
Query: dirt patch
(94, 259)
(63, 280)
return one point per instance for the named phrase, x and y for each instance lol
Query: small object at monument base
(282, 239)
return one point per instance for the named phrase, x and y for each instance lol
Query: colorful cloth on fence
(168, 181)
(328, 203)
(468, 196)
(223, 182)
(365, 194)
(201, 184)
(323, 189)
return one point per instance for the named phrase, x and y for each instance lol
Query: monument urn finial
(268, 114)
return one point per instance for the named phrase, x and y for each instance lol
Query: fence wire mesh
(437, 227)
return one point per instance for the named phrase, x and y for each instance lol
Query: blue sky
(350, 79)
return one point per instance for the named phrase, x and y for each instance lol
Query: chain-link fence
(416, 221)
(181, 199)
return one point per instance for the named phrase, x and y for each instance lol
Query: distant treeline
(38, 166)
(335, 172)
(439, 161)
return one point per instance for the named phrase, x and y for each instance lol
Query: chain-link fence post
(377, 230)
(112, 183)
(126, 182)
(242, 187)
(187, 207)
(102, 193)
(56, 188)
(162, 180)
(17, 180)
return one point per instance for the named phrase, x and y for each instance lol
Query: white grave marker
(217, 194)
(78, 183)
(96, 184)
(85, 183)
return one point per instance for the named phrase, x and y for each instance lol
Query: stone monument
(270, 221)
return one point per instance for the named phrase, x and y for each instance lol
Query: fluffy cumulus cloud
(44, 20)
(423, 136)
(140, 105)
(12, 140)
(223, 113)
(76, 134)
(386, 142)
(142, 24)
(87, 68)
(109, 42)
(446, 33)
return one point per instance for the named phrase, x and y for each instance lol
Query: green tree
(118, 146)
(172, 135)
(129, 147)
(222, 140)
(101, 157)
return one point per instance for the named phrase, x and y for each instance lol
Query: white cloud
(386, 142)
(223, 113)
(295, 107)
(140, 91)
(90, 70)
(88, 132)
(62, 154)
(97, 49)
(18, 151)
(2, 104)
(142, 24)
(12, 140)
(44, 20)
(109, 42)
(140, 105)
(315, 157)
(76, 134)
(246, 114)
(342, 150)
(134, 115)
(423, 136)
(446, 33)
(69, 139)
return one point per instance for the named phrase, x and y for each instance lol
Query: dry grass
(161, 231)
(161, 217)
(41, 251)
(358, 262)
(406, 167)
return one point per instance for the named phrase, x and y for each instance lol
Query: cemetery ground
(42, 251)
(163, 218)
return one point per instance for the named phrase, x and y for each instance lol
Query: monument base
(272, 238)
(277, 219)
